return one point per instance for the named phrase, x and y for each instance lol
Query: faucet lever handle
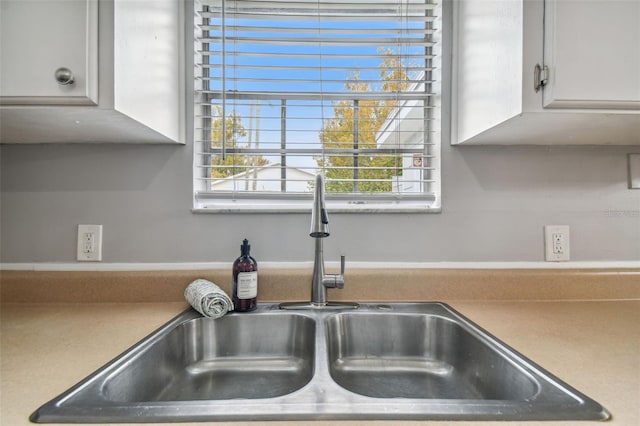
(339, 278)
(335, 280)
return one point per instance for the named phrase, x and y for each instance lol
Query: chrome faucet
(321, 281)
(320, 230)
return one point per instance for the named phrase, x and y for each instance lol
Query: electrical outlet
(556, 243)
(89, 243)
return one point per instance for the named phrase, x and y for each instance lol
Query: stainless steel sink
(395, 361)
(238, 356)
(420, 356)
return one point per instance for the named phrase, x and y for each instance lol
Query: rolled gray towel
(208, 299)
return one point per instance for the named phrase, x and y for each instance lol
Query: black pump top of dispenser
(245, 248)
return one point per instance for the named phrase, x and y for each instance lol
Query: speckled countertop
(594, 345)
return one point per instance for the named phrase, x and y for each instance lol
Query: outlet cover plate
(89, 243)
(556, 243)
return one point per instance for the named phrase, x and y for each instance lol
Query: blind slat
(298, 55)
(323, 4)
(271, 68)
(328, 151)
(326, 42)
(331, 96)
(234, 29)
(288, 16)
(301, 80)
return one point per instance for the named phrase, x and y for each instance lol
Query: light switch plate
(634, 171)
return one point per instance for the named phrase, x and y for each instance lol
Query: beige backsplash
(361, 285)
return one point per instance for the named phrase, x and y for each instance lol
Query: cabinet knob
(64, 76)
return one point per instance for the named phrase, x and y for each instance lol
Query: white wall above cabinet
(135, 95)
(496, 47)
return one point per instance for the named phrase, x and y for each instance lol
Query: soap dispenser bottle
(245, 280)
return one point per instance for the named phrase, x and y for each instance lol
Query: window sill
(304, 206)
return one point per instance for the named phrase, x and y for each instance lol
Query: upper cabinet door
(54, 59)
(592, 51)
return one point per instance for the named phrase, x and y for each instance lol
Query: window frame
(205, 201)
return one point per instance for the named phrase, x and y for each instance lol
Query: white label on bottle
(247, 285)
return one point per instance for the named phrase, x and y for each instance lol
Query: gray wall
(495, 203)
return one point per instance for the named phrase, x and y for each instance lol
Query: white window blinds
(290, 88)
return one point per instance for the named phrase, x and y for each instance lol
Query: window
(286, 89)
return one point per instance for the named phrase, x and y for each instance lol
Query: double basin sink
(391, 361)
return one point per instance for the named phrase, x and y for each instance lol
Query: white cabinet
(592, 52)
(38, 38)
(591, 92)
(127, 57)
